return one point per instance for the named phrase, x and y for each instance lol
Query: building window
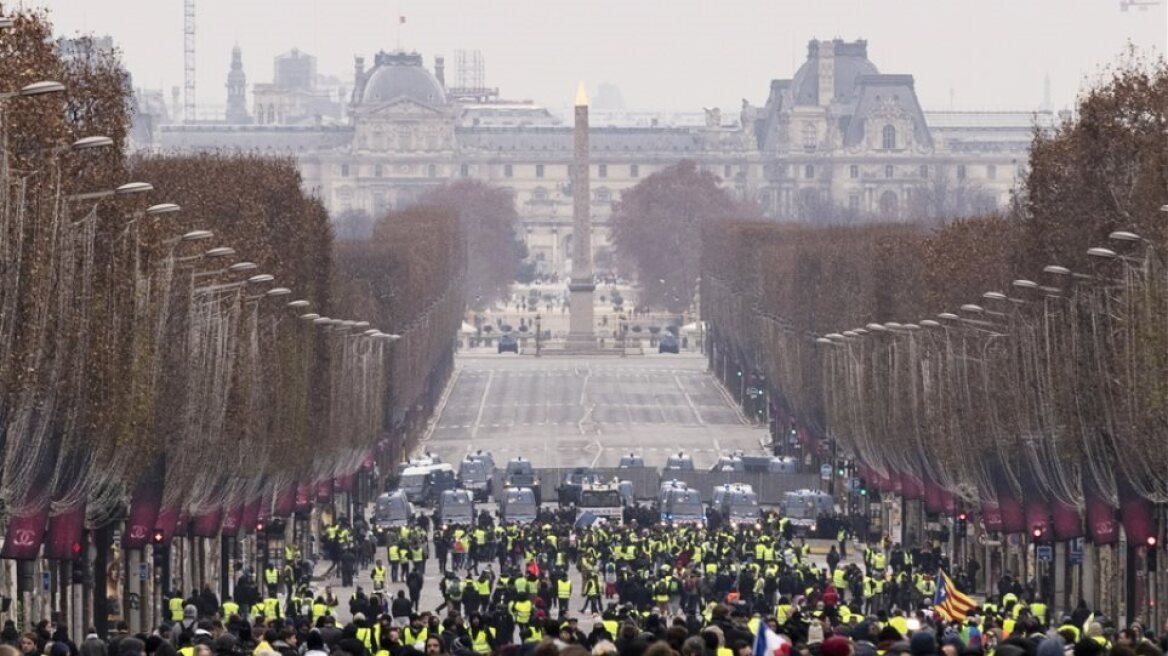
(888, 170)
(810, 136)
(960, 171)
(431, 171)
(377, 170)
(889, 204)
(889, 137)
(603, 195)
(507, 170)
(924, 170)
(991, 171)
(634, 171)
(344, 170)
(602, 170)
(726, 172)
(809, 171)
(539, 170)
(539, 194)
(853, 171)
(854, 202)
(464, 170)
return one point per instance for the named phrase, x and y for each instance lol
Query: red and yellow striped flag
(949, 602)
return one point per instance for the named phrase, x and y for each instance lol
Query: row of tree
(1052, 385)
(193, 341)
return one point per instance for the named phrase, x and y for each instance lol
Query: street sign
(45, 582)
(825, 472)
(1044, 552)
(1077, 551)
(143, 571)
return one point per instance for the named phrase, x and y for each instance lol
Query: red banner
(232, 520)
(1037, 516)
(1068, 521)
(345, 483)
(1136, 513)
(251, 515)
(1013, 520)
(991, 514)
(303, 497)
(1101, 523)
(207, 525)
(167, 524)
(911, 487)
(144, 507)
(23, 539)
(324, 491)
(65, 530)
(938, 499)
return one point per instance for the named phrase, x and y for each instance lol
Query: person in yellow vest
(272, 579)
(416, 633)
(591, 594)
(319, 609)
(393, 554)
(175, 605)
(257, 611)
(521, 609)
(482, 638)
(272, 608)
(564, 593)
(378, 575)
(229, 608)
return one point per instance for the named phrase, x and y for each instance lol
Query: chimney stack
(826, 72)
(440, 70)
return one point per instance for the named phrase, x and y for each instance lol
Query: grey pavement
(561, 411)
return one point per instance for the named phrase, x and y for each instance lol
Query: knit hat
(835, 646)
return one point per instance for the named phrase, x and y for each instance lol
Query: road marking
(433, 425)
(474, 430)
(689, 400)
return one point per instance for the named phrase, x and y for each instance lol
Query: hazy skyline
(662, 54)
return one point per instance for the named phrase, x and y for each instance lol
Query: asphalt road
(569, 412)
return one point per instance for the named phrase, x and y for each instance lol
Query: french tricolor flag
(769, 643)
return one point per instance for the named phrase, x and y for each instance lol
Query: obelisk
(581, 336)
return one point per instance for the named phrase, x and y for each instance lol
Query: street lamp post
(538, 331)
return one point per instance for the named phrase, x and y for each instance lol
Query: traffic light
(76, 549)
(259, 527)
(962, 517)
(158, 536)
(1152, 553)
(1040, 533)
(1150, 542)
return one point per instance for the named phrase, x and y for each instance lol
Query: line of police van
(452, 495)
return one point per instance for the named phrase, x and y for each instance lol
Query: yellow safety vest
(272, 575)
(187, 651)
(535, 636)
(271, 608)
(176, 608)
(394, 556)
(564, 589)
(411, 638)
(319, 609)
(481, 640)
(378, 574)
(522, 611)
(230, 608)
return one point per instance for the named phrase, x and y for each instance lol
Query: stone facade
(839, 141)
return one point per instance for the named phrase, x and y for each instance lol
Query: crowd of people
(632, 588)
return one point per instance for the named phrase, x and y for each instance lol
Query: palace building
(839, 141)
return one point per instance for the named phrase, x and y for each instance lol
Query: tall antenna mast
(189, 61)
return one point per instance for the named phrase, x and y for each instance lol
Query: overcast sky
(662, 54)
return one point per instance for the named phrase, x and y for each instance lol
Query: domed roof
(401, 75)
(851, 61)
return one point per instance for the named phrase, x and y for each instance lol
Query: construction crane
(188, 61)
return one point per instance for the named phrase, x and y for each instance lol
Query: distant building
(237, 91)
(296, 95)
(839, 141)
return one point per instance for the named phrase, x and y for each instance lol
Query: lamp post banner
(65, 532)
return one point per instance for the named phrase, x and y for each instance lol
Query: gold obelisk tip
(581, 96)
